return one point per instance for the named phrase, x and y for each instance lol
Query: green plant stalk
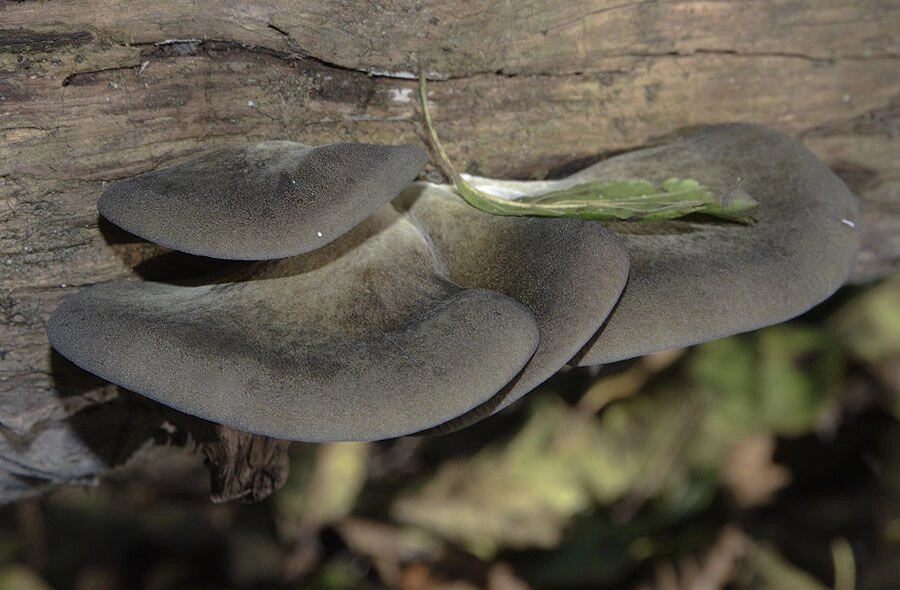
(599, 200)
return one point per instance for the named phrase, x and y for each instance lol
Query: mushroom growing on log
(264, 200)
(427, 314)
(362, 340)
(694, 280)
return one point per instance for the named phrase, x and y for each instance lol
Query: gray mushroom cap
(266, 200)
(568, 273)
(361, 340)
(432, 319)
(690, 281)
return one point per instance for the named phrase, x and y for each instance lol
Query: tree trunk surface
(92, 92)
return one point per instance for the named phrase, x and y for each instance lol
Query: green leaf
(525, 492)
(326, 491)
(779, 379)
(599, 200)
(870, 323)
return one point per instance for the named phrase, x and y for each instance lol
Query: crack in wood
(174, 48)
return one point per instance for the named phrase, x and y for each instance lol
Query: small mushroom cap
(358, 342)
(265, 200)
(568, 273)
(692, 282)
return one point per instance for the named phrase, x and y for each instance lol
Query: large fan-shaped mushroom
(697, 279)
(264, 200)
(568, 273)
(430, 317)
(361, 340)
(691, 281)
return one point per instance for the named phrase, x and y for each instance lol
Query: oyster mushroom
(690, 281)
(361, 340)
(265, 200)
(437, 316)
(568, 273)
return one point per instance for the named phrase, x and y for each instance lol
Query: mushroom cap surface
(694, 281)
(265, 200)
(568, 273)
(362, 340)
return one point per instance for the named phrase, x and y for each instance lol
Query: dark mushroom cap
(568, 273)
(691, 281)
(426, 320)
(272, 199)
(363, 340)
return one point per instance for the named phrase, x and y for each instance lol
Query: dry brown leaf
(748, 472)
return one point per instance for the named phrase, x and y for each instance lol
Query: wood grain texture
(95, 91)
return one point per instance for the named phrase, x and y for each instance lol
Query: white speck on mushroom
(400, 94)
(318, 233)
(848, 223)
(846, 98)
(251, 104)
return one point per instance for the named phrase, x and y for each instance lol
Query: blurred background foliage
(766, 460)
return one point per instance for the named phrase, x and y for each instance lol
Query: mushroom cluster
(381, 307)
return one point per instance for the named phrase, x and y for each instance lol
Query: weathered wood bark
(91, 92)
